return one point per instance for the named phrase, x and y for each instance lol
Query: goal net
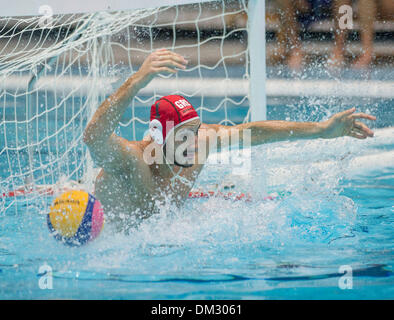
(55, 70)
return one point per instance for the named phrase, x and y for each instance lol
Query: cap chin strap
(176, 176)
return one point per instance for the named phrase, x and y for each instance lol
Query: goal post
(57, 66)
(256, 43)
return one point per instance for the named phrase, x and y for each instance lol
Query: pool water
(338, 213)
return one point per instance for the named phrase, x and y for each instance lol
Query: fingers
(166, 70)
(357, 135)
(363, 116)
(166, 51)
(360, 132)
(362, 128)
(175, 57)
(347, 112)
(167, 54)
(167, 61)
(359, 115)
(350, 111)
(357, 129)
(171, 63)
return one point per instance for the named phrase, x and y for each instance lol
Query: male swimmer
(129, 185)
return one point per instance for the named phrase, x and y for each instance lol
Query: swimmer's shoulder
(131, 153)
(137, 148)
(131, 150)
(214, 126)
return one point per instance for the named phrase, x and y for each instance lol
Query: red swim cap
(173, 109)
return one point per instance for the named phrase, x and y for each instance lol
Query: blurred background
(298, 32)
(302, 32)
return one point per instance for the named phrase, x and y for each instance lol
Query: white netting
(54, 76)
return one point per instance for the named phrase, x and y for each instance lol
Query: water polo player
(130, 185)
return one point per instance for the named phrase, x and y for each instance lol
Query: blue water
(339, 212)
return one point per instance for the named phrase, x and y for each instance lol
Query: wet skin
(130, 188)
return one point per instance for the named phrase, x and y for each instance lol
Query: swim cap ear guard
(156, 131)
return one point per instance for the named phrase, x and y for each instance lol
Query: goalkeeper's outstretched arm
(341, 124)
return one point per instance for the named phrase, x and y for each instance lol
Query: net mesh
(54, 75)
